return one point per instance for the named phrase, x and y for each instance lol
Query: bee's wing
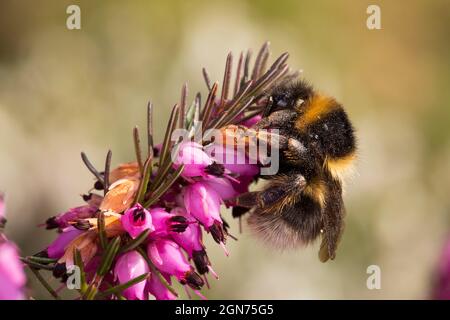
(333, 221)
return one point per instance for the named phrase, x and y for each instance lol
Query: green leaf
(164, 187)
(134, 243)
(144, 181)
(121, 287)
(108, 256)
(79, 263)
(101, 230)
(41, 259)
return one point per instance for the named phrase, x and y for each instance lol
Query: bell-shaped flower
(169, 258)
(203, 203)
(195, 160)
(191, 241)
(136, 220)
(166, 223)
(233, 159)
(63, 220)
(222, 186)
(58, 247)
(158, 290)
(129, 266)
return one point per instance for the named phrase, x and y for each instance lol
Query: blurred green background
(65, 91)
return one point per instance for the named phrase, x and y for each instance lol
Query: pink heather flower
(58, 247)
(158, 290)
(12, 276)
(166, 223)
(62, 220)
(222, 186)
(168, 257)
(203, 203)
(136, 220)
(193, 157)
(441, 290)
(252, 121)
(233, 160)
(129, 266)
(191, 241)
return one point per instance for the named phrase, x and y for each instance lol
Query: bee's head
(288, 96)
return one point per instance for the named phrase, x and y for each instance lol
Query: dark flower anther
(215, 169)
(87, 197)
(178, 224)
(83, 224)
(98, 185)
(59, 270)
(51, 223)
(193, 280)
(218, 233)
(201, 261)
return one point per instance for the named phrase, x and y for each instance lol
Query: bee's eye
(281, 103)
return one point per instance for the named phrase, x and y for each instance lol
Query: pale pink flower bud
(129, 266)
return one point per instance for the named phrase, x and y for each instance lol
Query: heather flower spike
(148, 215)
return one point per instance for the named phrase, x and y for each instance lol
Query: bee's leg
(273, 192)
(333, 222)
(276, 119)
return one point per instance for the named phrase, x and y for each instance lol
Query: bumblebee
(303, 201)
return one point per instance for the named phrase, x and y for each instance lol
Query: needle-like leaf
(137, 148)
(91, 168)
(134, 243)
(107, 170)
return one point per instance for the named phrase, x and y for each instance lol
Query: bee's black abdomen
(304, 217)
(333, 133)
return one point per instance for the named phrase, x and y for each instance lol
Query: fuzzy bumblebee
(304, 199)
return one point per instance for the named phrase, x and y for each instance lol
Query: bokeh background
(65, 91)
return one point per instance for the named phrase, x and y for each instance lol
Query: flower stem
(45, 283)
